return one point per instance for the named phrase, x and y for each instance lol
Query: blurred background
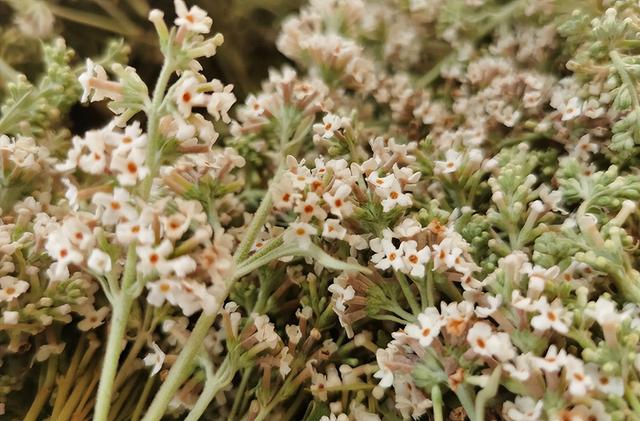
(250, 28)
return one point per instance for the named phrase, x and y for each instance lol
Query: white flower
(99, 261)
(579, 382)
(330, 124)
(429, 326)
(523, 409)
(521, 369)
(300, 233)
(385, 373)
(138, 229)
(194, 19)
(91, 80)
(407, 228)
(493, 302)
(484, 342)
(332, 229)
(381, 182)
(187, 95)
(337, 202)
(309, 207)
(161, 291)
(605, 312)
(60, 248)
(606, 384)
(414, 259)
(453, 161)
(154, 359)
(220, 101)
(153, 259)
(93, 318)
(553, 361)
(551, 316)
(114, 207)
(393, 196)
(572, 109)
(11, 288)
(130, 168)
(387, 255)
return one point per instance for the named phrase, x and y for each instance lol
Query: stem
(153, 149)
(214, 383)
(406, 290)
(436, 398)
(182, 367)
(90, 19)
(121, 308)
(43, 394)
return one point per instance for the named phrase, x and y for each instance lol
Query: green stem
(154, 151)
(90, 19)
(44, 390)
(406, 290)
(121, 308)
(436, 398)
(183, 366)
(214, 383)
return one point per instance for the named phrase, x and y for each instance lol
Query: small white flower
(153, 259)
(387, 255)
(552, 316)
(93, 318)
(415, 260)
(330, 124)
(485, 342)
(99, 261)
(523, 409)
(572, 109)
(309, 207)
(11, 288)
(453, 161)
(393, 196)
(194, 19)
(553, 361)
(579, 382)
(114, 207)
(187, 95)
(154, 359)
(94, 72)
(385, 373)
(429, 326)
(332, 229)
(220, 101)
(130, 168)
(337, 201)
(300, 233)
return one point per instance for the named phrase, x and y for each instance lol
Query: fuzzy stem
(121, 307)
(214, 384)
(183, 366)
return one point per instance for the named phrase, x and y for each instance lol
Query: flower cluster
(433, 216)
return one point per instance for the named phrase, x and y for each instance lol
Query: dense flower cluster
(432, 217)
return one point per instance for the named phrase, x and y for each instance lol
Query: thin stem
(182, 367)
(153, 149)
(214, 384)
(44, 391)
(406, 290)
(121, 308)
(90, 19)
